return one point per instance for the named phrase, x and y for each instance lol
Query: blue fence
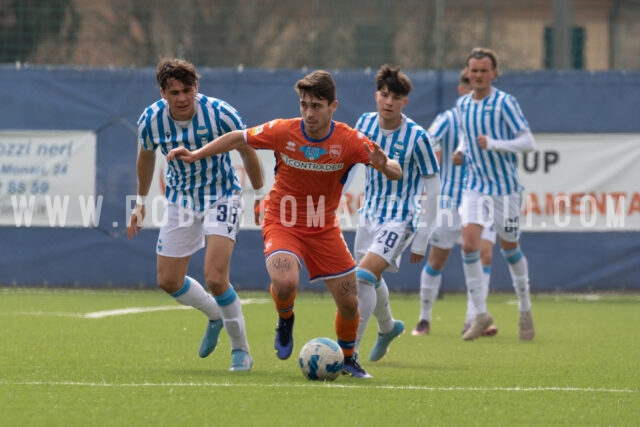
(108, 102)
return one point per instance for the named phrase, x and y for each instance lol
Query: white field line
(328, 384)
(123, 311)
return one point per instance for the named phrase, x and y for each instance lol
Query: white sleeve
(462, 143)
(428, 217)
(521, 143)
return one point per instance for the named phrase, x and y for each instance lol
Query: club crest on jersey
(202, 134)
(398, 149)
(335, 151)
(312, 153)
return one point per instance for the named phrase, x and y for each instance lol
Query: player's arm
(380, 161)
(458, 155)
(227, 142)
(252, 165)
(432, 189)
(145, 165)
(523, 142)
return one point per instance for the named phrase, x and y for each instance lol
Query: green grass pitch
(130, 358)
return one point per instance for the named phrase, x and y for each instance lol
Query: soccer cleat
(240, 361)
(353, 368)
(210, 338)
(525, 326)
(283, 342)
(479, 324)
(381, 346)
(491, 331)
(422, 328)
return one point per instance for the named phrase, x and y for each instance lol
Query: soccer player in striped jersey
(203, 202)
(494, 130)
(313, 157)
(390, 211)
(445, 131)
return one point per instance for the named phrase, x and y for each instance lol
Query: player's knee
(347, 307)
(284, 287)
(217, 284)
(365, 276)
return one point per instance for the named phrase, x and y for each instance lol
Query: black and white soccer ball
(321, 359)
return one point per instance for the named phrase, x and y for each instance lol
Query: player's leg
(384, 252)
(221, 225)
(216, 271)
(176, 243)
(473, 211)
(284, 272)
(344, 290)
(388, 327)
(487, 242)
(508, 229)
(430, 281)
(367, 274)
(283, 254)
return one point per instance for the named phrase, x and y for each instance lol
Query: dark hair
(179, 69)
(464, 78)
(483, 52)
(394, 79)
(319, 84)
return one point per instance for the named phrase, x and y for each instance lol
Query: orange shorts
(323, 250)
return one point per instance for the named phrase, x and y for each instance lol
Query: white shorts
(448, 231)
(501, 211)
(183, 230)
(387, 240)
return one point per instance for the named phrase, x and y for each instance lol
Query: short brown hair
(483, 52)
(394, 79)
(179, 69)
(319, 84)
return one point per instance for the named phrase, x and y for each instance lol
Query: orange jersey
(309, 174)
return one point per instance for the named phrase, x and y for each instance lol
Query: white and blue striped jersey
(497, 116)
(387, 200)
(445, 131)
(199, 184)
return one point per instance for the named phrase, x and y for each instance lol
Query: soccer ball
(321, 359)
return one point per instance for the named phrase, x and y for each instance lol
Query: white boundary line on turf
(389, 387)
(124, 311)
(311, 384)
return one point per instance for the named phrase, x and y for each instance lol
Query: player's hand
(482, 142)
(457, 158)
(135, 222)
(259, 206)
(377, 157)
(415, 258)
(181, 153)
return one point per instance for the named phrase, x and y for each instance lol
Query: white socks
(226, 306)
(473, 274)
(430, 281)
(194, 295)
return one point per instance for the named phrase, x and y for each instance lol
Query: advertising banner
(582, 182)
(48, 179)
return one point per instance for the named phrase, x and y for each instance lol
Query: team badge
(202, 134)
(335, 151)
(312, 153)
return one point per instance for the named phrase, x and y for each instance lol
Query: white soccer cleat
(478, 325)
